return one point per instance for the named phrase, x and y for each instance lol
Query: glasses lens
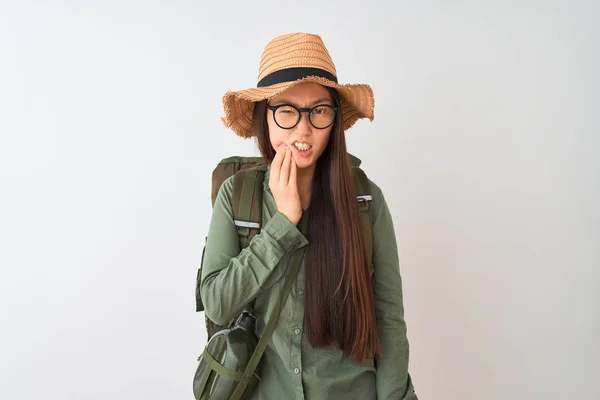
(322, 116)
(286, 116)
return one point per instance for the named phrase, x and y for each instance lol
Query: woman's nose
(304, 125)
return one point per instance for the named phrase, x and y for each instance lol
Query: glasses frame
(300, 111)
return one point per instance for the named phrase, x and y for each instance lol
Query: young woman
(341, 333)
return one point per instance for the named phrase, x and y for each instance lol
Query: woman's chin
(303, 163)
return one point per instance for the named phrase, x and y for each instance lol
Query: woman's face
(306, 141)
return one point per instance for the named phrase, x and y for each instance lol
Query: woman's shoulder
(375, 188)
(376, 191)
(381, 211)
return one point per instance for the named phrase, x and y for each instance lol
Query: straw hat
(287, 61)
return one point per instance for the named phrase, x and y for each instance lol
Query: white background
(485, 143)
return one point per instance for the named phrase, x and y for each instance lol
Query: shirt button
(297, 331)
(296, 370)
(300, 292)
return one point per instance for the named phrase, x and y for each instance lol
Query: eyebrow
(318, 101)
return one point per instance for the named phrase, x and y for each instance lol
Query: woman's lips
(302, 153)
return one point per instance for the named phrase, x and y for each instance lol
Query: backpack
(249, 173)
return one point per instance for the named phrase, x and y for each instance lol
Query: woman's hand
(284, 186)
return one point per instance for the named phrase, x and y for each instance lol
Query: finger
(276, 164)
(284, 175)
(293, 173)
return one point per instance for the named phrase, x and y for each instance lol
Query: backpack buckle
(244, 227)
(364, 201)
(246, 224)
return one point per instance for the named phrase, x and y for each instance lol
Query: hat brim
(356, 100)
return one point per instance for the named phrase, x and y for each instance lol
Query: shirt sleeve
(393, 380)
(232, 277)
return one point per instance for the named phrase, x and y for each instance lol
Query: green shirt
(292, 367)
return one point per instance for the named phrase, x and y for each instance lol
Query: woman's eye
(320, 110)
(286, 110)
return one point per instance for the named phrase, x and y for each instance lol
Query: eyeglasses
(287, 116)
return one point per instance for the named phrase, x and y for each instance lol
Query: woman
(341, 333)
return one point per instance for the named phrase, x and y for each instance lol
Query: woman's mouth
(302, 149)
